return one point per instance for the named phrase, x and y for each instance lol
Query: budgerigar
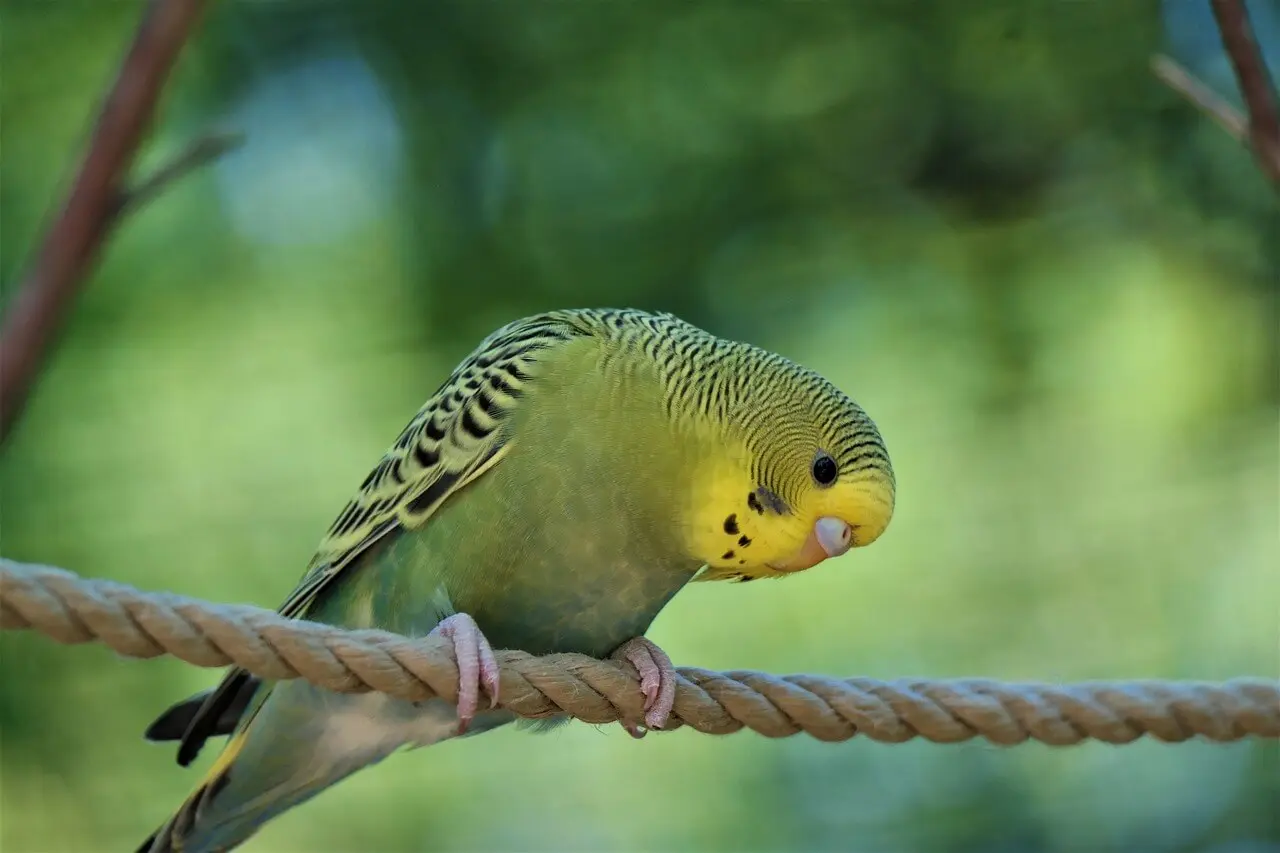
(570, 476)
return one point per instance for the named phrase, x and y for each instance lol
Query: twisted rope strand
(138, 624)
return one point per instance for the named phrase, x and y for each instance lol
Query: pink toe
(473, 656)
(650, 677)
(489, 672)
(657, 681)
(656, 717)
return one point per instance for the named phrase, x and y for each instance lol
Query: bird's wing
(459, 434)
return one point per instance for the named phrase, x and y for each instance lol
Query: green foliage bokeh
(1049, 280)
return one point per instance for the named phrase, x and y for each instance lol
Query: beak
(830, 537)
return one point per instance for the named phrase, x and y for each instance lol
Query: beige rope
(70, 609)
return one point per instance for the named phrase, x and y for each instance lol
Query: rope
(138, 624)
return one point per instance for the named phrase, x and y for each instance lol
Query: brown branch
(1255, 84)
(72, 242)
(200, 153)
(1260, 128)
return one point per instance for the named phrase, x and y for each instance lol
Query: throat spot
(736, 538)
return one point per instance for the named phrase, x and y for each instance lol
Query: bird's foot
(657, 682)
(477, 667)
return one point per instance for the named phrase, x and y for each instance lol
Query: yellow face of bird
(802, 477)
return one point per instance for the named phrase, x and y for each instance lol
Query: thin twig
(1208, 101)
(1255, 84)
(199, 153)
(42, 302)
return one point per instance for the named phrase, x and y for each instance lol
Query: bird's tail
(274, 761)
(293, 742)
(180, 833)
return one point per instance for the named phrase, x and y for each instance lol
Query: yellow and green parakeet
(570, 477)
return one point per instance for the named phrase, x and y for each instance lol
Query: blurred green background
(1051, 282)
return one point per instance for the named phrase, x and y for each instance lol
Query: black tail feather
(174, 722)
(146, 845)
(213, 713)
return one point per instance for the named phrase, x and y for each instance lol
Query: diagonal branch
(201, 152)
(1218, 108)
(1255, 84)
(1260, 128)
(42, 302)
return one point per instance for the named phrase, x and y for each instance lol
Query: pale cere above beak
(830, 537)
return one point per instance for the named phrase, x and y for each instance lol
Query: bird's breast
(570, 543)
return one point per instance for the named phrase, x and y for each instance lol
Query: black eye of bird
(824, 469)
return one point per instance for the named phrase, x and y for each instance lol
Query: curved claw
(477, 667)
(657, 682)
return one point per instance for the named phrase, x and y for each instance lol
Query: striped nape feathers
(781, 448)
(785, 449)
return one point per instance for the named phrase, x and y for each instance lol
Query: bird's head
(798, 474)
